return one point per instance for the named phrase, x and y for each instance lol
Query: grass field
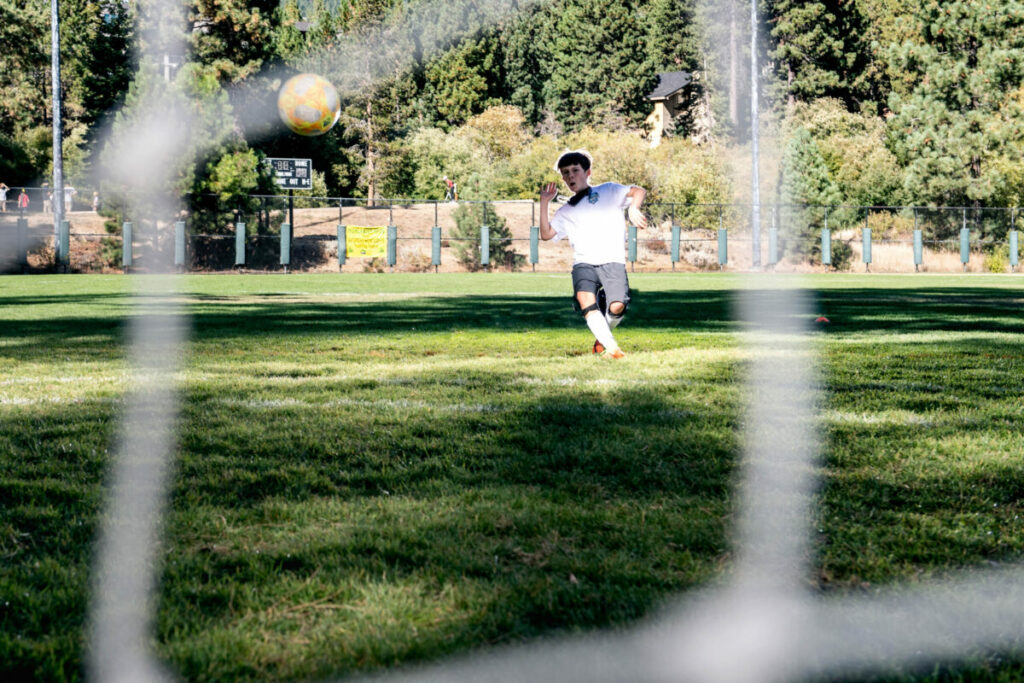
(385, 469)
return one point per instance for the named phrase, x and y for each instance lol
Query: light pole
(755, 197)
(58, 153)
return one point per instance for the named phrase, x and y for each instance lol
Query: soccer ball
(308, 104)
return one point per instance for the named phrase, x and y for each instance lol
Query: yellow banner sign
(366, 242)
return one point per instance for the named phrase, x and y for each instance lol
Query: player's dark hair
(570, 158)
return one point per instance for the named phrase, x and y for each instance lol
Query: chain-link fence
(280, 233)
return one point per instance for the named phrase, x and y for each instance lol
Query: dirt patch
(315, 246)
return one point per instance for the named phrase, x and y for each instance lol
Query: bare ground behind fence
(315, 244)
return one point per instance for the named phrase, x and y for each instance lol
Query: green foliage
(95, 69)
(997, 259)
(807, 180)
(459, 83)
(234, 37)
(595, 61)
(961, 116)
(467, 244)
(818, 48)
(853, 147)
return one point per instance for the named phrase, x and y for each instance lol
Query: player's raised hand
(548, 192)
(637, 217)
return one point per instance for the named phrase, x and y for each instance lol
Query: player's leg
(585, 286)
(615, 285)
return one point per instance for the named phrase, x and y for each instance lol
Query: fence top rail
(387, 200)
(400, 201)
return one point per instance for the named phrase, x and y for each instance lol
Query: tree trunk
(972, 64)
(371, 166)
(734, 67)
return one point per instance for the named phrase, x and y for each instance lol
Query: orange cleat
(616, 354)
(598, 347)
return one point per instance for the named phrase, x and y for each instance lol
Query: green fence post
(918, 250)
(1014, 256)
(485, 245)
(723, 249)
(826, 247)
(865, 236)
(1013, 240)
(676, 232)
(534, 246)
(342, 245)
(286, 245)
(239, 244)
(965, 246)
(126, 246)
(632, 244)
(435, 246)
(179, 245)
(64, 248)
(392, 245)
(22, 238)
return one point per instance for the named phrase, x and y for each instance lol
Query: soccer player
(593, 222)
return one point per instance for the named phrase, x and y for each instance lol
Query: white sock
(613, 320)
(599, 326)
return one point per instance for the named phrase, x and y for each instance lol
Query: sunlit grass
(382, 469)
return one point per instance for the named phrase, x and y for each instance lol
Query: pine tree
(808, 187)
(462, 81)
(962, 114)
(817, 48)
(595, 53)
(468, 220)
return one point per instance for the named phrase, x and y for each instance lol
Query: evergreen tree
(807, 185)
(234, 37)
(468, 220)
(817, 48)
(962, 114)
(95, 71)
(462, 81)
(594, 51)
(523, 68)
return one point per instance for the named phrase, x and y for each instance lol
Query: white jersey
(595, 226)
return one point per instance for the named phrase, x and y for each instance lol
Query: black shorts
(608, 276)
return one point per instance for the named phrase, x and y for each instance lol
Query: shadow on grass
(557, 509)
(216, 318)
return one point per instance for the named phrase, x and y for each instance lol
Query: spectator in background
(69, 197)
(3, 197)
(96, 202)
(449, 189)
(23, 201)
(47, 199)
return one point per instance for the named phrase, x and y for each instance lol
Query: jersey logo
(594, 196)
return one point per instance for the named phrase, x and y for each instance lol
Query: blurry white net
(763, 623)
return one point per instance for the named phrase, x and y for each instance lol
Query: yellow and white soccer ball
(308, 104)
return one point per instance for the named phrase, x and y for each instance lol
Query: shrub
(468, 219)
(997, 260)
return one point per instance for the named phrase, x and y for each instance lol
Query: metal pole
(755, 212)
(58, 135)
(291, 208)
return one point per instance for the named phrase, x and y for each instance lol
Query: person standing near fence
(3, 197)
(592, 220)
(23, 201)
